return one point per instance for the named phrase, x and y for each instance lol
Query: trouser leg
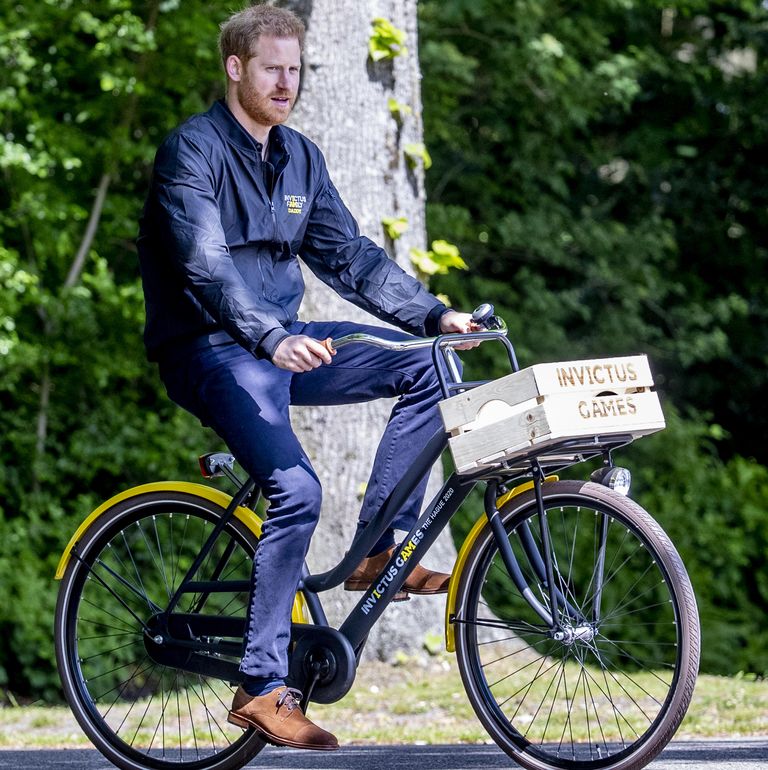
(246, 402)
(362, 373)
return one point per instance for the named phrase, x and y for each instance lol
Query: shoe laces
(290, 697)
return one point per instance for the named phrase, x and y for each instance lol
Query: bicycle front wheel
(605, 679)
(137, 707)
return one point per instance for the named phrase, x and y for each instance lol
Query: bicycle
(571, 613)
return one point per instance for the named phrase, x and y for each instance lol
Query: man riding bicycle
(235, 198)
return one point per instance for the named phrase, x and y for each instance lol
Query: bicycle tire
(126, 565)
(613, 691)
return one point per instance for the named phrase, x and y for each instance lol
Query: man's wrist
(269, 342)
(432, 321)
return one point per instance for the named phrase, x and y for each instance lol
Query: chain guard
(324, 656)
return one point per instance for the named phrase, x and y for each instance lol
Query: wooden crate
(548, 403)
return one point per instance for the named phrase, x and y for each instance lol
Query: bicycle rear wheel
(137, 708)
(608, 684)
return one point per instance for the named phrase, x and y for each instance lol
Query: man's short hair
(241, 31)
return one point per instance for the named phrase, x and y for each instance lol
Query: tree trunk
(343, 107)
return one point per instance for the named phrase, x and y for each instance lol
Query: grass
(421, 701)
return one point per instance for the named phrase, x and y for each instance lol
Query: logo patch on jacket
(295, 203)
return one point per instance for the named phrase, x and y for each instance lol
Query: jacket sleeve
(362, 272)
(189, 224)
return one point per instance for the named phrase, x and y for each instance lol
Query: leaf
(415, 152)
(107, 82)
(686, 151)
(447, 255)
(395, 226)
(398, 110)
(423, 261)
(439, 259)
(386, 41)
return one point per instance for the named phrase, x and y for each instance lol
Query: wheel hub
(568, 635)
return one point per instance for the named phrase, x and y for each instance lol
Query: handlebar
(498, 329)
(405, 345)
(495, 329)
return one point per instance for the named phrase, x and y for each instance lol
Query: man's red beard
(260, 108)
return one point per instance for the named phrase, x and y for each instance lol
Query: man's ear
(234, 68)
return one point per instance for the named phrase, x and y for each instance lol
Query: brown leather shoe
(279, 719)
(420, 581)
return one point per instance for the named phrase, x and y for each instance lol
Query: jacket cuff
(269, 342)
(432, 321)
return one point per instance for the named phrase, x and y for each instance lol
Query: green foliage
(386, 41)
(87, 89)
(599, 167)
(398, 110)
(415, 153)
(614, 152)
(394, 227)
(438, 260)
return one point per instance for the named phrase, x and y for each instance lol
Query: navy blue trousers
(245, 400)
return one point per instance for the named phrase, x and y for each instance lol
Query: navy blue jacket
(218, 248)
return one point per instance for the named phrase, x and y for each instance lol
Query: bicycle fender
(461, 559)
(300, 612)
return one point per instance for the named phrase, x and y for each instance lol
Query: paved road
(749, 754)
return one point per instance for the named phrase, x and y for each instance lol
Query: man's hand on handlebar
(299, 353)
(461, 323)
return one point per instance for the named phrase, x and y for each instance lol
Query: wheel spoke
(129, 550)
(101, 624)
(120, 601)
(139, 592)
(144, 715)
(121, 686)
(558, 678)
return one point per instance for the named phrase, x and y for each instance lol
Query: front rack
(553, 458)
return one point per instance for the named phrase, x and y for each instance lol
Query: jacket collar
(234, 132)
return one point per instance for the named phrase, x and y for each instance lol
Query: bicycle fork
(566, 622)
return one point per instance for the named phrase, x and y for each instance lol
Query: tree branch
(90, 232)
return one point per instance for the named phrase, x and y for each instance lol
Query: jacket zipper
(274, 218)
(278, 172)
